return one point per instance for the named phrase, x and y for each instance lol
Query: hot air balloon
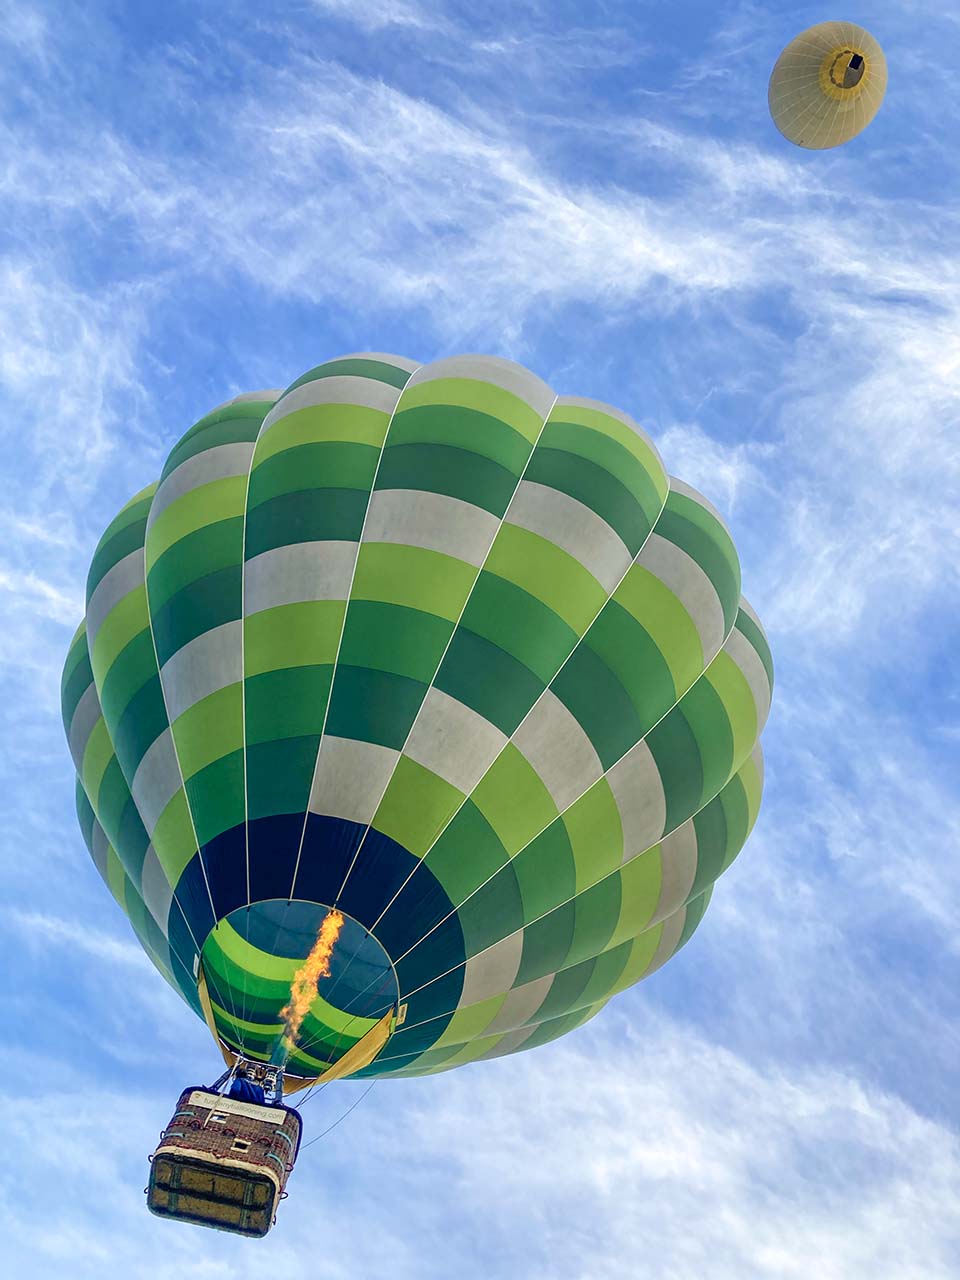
(827, 85)
(415, 713)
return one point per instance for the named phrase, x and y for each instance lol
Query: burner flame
(304, 985)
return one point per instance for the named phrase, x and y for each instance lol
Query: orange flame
(304, 985)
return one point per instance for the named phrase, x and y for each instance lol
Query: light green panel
(415, 806)
(173, 837)
(203, 505)
(666, 621)
(469, 393)
(322, 424)
(210, 729)
(513, 800)
(292, 635)
(411, 576)
(471, 1021)
(97, 756)
(547, 573)
(643, 950)
(735, 693)
(124, 621)
(596, 835)
(619, 431)
(640, 882)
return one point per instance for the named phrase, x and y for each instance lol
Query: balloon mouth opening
(848, 70)
(251, 960)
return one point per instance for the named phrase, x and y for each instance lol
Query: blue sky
(199, 200)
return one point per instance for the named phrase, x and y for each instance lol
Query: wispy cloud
(709, 464)
(45, 598)
(23, 27)
(65, 356)
(602, 197)
(573, 1161)
(375, 14)
(41, 929)
(648, 1126)
(69, 384)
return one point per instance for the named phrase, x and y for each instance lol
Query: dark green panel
(467, 852)
(455, 426)
(736, 812)
(112, 799)
(77, 654)
(76, 686)
(711, 828)
(280, 775)
(214, 546)
(597, 912)
(288, 703)
(373, 706)
(129, 672)
(484, 677)
(633, 657)
(566, 989)
(436, 1057)
(695, 913)
(749, 628)
(701, 547)
(132, 841)
(207, 603)
(439, 468)
(117, 548)
(596, 698)
(519, 624)
(316, 515)
(232, 425)
(86, 817)
(553, 1029)
(596, 489)
(545, 944)
(392, 637)
(608, 968)
(545, 871)
(140, 725)
(377, 370)
(493, 912)
(143, 923)
(216, 799)
(329, 464)
(677, 757)
(252, 1007)
(606, 453)
(707, 716)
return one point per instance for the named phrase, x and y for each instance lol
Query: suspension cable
(331, 1127)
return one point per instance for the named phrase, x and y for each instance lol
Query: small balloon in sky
(827, 85)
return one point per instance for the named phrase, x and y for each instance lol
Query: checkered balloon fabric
(443, 650)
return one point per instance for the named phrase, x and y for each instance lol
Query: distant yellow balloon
(827, 85)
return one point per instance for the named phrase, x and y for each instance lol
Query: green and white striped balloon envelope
(439, 648)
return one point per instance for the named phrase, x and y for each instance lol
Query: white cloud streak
(775, 1173)
(794, 328)
(42, 929)
(582, 1161)
(44, 598)
(376, 14)
(66, 358)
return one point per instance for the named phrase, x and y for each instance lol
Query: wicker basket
(223, 1163)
